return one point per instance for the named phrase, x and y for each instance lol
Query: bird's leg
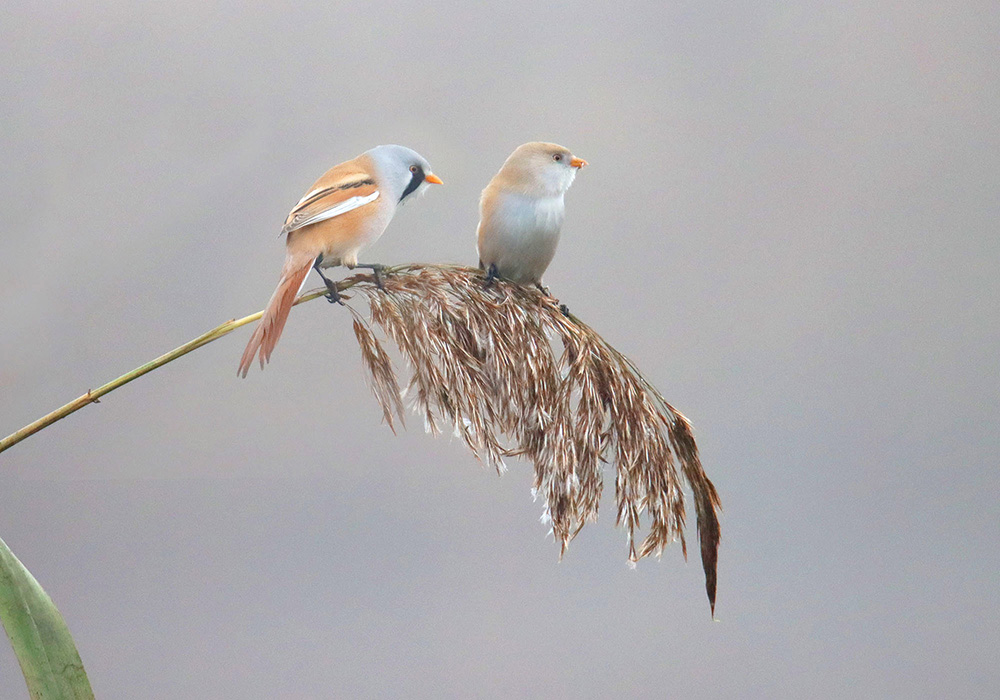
(333, 296)
(376, 269)
(543, 289)
(492, 275)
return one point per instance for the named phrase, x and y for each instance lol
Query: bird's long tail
(268, 330)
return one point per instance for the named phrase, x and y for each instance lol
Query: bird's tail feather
(268, 330)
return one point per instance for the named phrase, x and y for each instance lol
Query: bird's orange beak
(434, 179)
(578, 162)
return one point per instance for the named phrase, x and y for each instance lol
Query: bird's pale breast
(522, 235)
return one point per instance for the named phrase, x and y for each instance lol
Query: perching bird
(346, 210)
(521, 212)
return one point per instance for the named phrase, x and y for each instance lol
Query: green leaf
(49, 659)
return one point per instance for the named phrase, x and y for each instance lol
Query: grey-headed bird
(346, 210)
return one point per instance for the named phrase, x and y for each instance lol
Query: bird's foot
(543, 289)
(492, 275)
(333, 295)
(377, 269)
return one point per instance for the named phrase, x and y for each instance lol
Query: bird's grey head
(402, 171)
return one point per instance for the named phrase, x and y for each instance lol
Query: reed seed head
(513, 376)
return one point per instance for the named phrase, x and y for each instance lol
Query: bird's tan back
(336, 237)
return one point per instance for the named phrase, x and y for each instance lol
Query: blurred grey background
(789, 222)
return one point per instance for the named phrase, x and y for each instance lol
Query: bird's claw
(377, 269)
(492, 275)
(332, 295)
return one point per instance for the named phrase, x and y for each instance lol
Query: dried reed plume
(484, 363)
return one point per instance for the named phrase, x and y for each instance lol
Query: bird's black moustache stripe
(418, 177)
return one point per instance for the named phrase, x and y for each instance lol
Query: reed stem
(94, 395)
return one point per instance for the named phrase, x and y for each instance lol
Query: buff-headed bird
(522, 209)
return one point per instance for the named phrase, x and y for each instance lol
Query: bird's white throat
(558, 178)
(549, 212)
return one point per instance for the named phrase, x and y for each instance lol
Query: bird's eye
(413, 168)
(557, 157)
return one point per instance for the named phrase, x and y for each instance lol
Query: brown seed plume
(513, 376)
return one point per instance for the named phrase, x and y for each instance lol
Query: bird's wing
(487, 209)
(343, 188)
